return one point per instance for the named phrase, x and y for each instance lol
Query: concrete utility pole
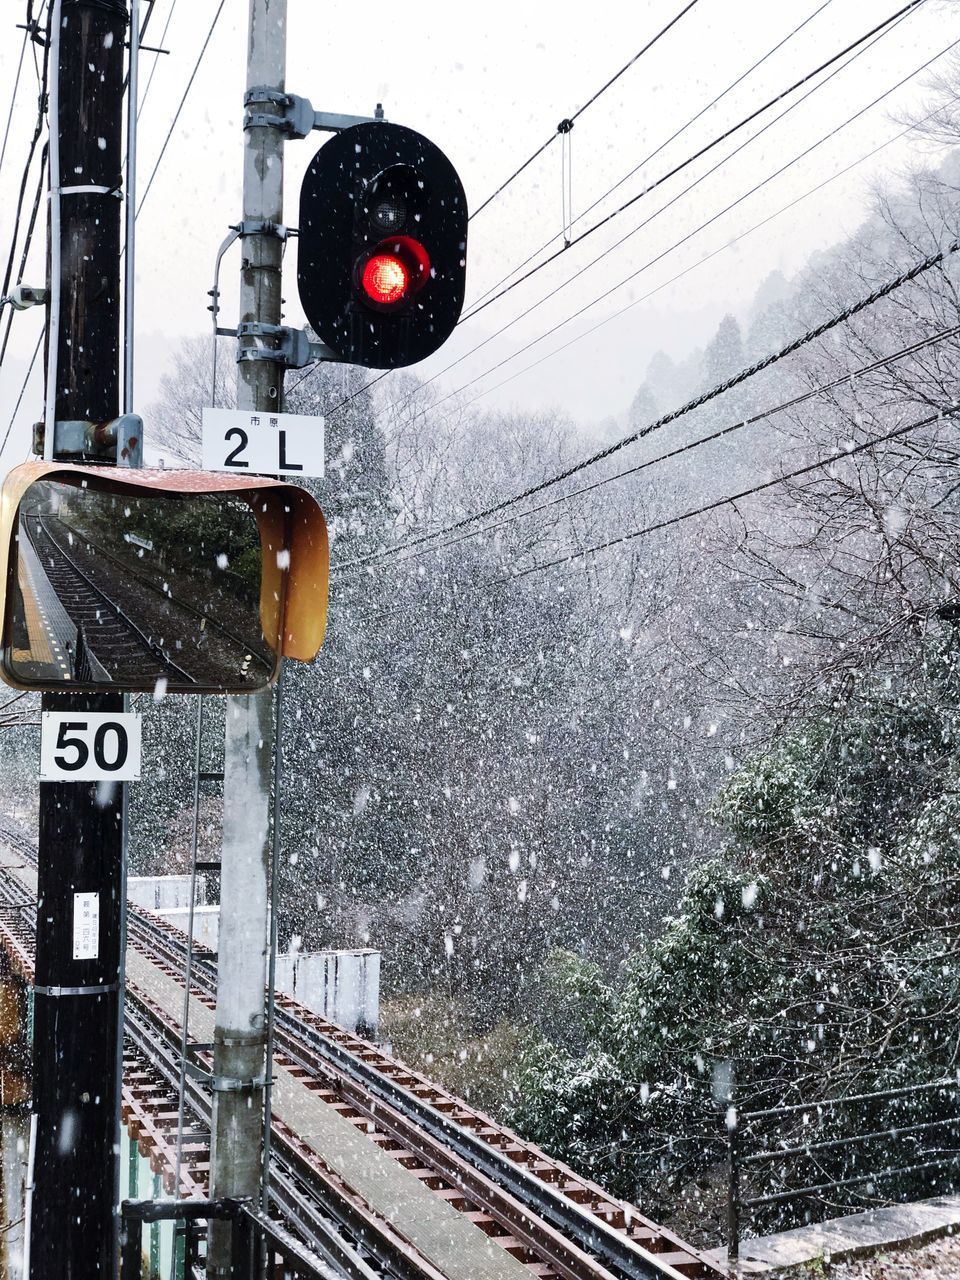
(240, 1035)
(72, 1222)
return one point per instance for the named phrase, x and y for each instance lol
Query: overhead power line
(944, 412)
(38, 129)
(841, 317)
(653, 154)
(857, 47)
(176, 116)
(734, 240)
(23, 388)
(758, 186)
(794, 402)
(156, 60)
(13, 98)
(728, 244)
(879, 29)
(566, 125)
(28, 240)
(42, 78)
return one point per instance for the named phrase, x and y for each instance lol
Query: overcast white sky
(488, 85)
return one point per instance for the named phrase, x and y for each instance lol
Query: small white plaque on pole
(270, 444)
(86, 926)
(89, 746)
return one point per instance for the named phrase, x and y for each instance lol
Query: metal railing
(259, 1246)
(793, 1154)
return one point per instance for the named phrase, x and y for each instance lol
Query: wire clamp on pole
(294, 116)
(85, 189)
(224, 1084)
(294, 349)
(255, 227)
(103, 989)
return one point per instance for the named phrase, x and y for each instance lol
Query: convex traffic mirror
(132, 580)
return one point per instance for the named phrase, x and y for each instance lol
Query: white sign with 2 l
(269, 444)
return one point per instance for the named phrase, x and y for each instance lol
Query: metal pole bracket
(292, 348)
(294, 115)
(118, 441)
(218, 1084)
(253, 227)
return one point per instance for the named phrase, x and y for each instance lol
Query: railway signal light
(113, 579)
(383, 240)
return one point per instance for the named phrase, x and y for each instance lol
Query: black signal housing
(382, 245)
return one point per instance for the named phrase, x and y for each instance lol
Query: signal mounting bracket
(295, 115)
(118, 441)
(293, 349)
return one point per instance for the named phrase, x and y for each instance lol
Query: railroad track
(554, 1222)
(546, 1215)
(160, 589)
(307, 1201)
(118, 644)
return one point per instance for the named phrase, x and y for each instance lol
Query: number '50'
(110, 746)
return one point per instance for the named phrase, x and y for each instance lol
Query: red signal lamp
(391, 273)
(385, 279)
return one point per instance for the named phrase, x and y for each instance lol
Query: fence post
(245, 1241)
(733, 1184)
(131, 1248)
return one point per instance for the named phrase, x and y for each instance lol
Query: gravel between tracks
(939, 1260)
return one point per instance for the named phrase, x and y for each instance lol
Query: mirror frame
(293, 597)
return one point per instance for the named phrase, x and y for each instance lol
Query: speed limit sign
(89, 746)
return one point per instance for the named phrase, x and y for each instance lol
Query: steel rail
(548, 1244)
(319, 1212)
(570, 1239)
(154, 650)
(148, 582)
(392, 1254)
(151, 1036)
(612, 1249)
(308, 1199)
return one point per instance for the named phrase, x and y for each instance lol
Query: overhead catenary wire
(28, 240)
(23, 388)
(563, 130)
(944, 411)
(31, 152)
(758, 186)
(653, 154)
(156, 60)
(880, 29)
(811, 335)
(13, 98)
(794, 402)
(737, 239)
(42, 78)
(704, 509)
(660, 256)
(785, 208)
(176, 115)
(855, 47)
(589, 103)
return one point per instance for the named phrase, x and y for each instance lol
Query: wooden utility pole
(72, 1222)
(241, 1033)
